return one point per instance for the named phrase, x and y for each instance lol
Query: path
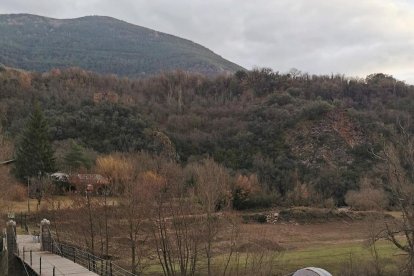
(63, 266)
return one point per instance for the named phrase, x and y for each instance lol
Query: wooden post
(40, 267)
(30, 257)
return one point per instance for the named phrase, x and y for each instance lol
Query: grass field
(337, 256)
(334, 258)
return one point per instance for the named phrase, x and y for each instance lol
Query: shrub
(294, 92)
(17, 193)
(315, 110)
(367, 198)
(248, 194)
(256, 202)
(258, 218)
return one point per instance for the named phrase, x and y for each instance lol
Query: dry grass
(293, 235)
(46, 204)
(328, 244)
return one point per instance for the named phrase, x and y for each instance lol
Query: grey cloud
(336, 36)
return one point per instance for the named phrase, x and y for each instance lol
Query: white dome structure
(312, 271)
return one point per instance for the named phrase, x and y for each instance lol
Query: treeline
(295, 131)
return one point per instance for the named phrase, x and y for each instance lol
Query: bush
(315, 110)
(259, 218)
(367, 198)
(17, 193)
(247, 194)
(256, 202)
(294, 92)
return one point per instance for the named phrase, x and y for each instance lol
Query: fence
(100, 266)
(93, 263)
(44, 266)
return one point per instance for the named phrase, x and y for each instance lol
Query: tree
(75, 158)
(177, 223)
(34, 153)
(399, 158)
(213, 185)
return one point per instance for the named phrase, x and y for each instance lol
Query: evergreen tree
(34, 153)
(75, 158)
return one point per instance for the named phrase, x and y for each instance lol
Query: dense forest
(297, 132)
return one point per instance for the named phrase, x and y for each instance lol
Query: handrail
(17, 252)
(4, 237)
(25, 268)
(92, 262)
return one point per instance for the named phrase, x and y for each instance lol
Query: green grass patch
(334, 257)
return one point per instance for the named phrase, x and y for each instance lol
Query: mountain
(101, 44)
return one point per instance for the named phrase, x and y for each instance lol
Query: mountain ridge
(102, 44)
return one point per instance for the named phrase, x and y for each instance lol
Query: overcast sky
(354, 37)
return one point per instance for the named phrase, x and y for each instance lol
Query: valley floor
(333, 245)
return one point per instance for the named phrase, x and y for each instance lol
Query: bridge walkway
(46, 263)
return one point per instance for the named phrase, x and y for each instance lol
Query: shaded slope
(101, 44)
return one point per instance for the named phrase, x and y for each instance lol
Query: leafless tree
(212, 190)
(399, 158)
(176, 222)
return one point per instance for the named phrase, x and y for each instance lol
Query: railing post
(30, 257)
(89, 261)
(53, 270)
(74, 254)
(23, 253)
(110, 268)
(40, 267)
(44, 224)
(11, 238)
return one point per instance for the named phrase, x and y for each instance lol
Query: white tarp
(312, 271)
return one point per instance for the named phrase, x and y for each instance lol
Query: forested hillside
(100, 44)
(297, 132)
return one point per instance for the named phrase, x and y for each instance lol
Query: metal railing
(82, 257)
(28, 270)
(27, 256)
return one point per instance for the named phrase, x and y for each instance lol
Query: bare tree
(176, 222)
(399, 159)
(116, 169)
(212, 190)
(134, 204)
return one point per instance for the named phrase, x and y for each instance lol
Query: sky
(351, 37)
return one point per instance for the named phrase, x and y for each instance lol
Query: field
(333, 245)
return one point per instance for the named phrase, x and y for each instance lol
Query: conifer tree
(75, 158)
(34, 153)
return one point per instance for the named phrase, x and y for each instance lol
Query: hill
(307, 138)
(101, 44)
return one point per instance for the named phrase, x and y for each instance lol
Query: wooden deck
(63, 266)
